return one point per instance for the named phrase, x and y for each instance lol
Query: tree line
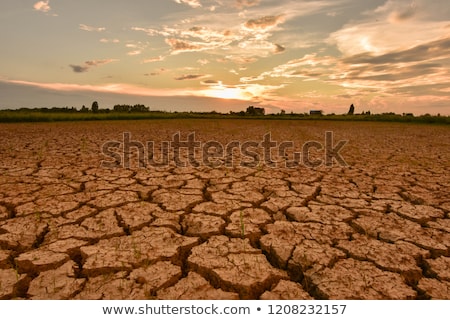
(251, 111)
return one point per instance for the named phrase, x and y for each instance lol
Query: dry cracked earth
(378, 228)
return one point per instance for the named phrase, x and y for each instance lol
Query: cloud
(407, 73)
(384, 29)
(438, 49)
(310, 67)
(246, 3)
(89, 64)
(246, 33)
(380, 37)
(225, 31)
(258, 48)
(136, 48)
(420, 70)
(156, 72)
(366, 75)
(154, 59)
(398, 11)
(118, 88)
(191, 77)
(239, 59)
(264, 23)
(134, 52)
(399, 16)
(42, 6)
(196, 38)
(104, 40)
(148, 31)
(94, 63)
(210, 82)
(90, 28)
(204, 34)
(203, 62)
(79, 69)
(425, 65)
(185, 46)
(191, 3)
(279, 48)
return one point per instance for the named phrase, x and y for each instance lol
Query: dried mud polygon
(378, 228)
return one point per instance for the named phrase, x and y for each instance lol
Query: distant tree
(129, 108)
(121, 108)
(282, 112)
(252, 111)
(95, 107)
(351, 110)
(84, 109)
(139, 108)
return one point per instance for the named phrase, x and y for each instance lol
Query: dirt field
(378, 228)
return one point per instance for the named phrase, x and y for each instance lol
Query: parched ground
(378, 228)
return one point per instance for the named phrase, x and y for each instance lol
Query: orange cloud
(191, 3)
(104, 40)
(184, 46)
(264, 23)
(118, 88)
(89, 64)
(85, 27)
(190, 77)
(154, 59)
(246, 3)
(42, 6)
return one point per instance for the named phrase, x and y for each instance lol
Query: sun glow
(246, 92)
(227, 93)
(221, 91)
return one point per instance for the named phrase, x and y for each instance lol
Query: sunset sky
(224, 55)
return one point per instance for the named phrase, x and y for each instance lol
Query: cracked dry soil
(378, 228)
